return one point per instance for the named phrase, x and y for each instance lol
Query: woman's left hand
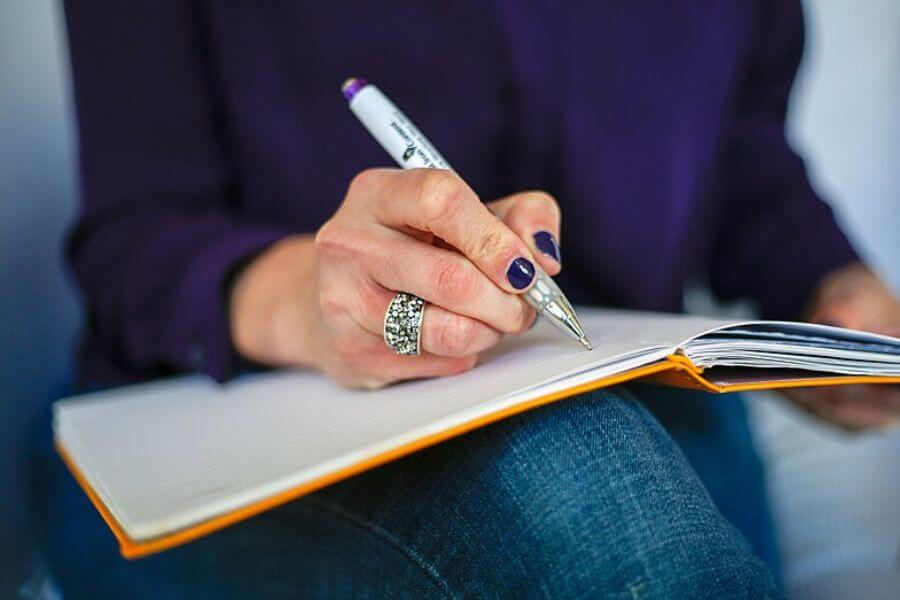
(856, 298)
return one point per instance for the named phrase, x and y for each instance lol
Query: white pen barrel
(396, 133)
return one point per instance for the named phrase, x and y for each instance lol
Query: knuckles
(458, 365)
(451, 281)
(439, 194)
(346, 349)
(332, 303)
(457, 337)
(518, 320)
(543, 199)
(536, 206)
(363, 183)
(329, 239)
(492, 244)
(526, 319)
(336, 240)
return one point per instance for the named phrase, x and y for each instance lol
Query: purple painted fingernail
(520, 273)
(546, 243)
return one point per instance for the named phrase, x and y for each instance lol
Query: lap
(585, 495)
(713, 432)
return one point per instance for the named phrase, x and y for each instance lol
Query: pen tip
(586, 343)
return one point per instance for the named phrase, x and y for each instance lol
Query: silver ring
(403, 323)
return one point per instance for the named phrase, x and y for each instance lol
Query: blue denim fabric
(713, 432)
(583, 498)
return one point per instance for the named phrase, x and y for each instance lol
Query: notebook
(170, 461)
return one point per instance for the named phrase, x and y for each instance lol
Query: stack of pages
(171, 461)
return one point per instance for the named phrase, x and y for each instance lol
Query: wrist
(273, 305)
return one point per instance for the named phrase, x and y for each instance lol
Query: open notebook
(168, 462)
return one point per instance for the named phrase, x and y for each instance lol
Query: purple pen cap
(352, 86)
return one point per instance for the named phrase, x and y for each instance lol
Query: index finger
(441, 203)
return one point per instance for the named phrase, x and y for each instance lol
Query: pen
(412, 150)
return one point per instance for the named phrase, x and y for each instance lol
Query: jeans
(587, 497)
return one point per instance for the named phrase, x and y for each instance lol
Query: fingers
(441, 203)
(533, 216)
(448, 334)
(365, 361)
(839, 315)
(443, 333)
(446, 280)
(869, 405)
(854, 407)
(425, 232)
(854, 297)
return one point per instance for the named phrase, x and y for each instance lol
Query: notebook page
(803, 346)
(167, 455)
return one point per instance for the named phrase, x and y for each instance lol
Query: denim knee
(589, 495)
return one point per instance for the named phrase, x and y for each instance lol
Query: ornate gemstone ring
(403, 323)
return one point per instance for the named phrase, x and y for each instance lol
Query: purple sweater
(209, 130)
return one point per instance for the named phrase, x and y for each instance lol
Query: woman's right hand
(320, 301)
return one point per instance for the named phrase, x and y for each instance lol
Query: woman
(219, 232)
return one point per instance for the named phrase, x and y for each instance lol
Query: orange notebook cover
(169, 462)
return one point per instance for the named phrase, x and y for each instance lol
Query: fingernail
(520, 273)
(546, 243)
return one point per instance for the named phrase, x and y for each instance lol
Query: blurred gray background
(38, 310)
(845, 118)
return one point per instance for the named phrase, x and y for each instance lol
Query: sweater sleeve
(775, 238)
(160, 228)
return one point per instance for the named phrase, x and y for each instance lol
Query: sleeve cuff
(205, 344)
